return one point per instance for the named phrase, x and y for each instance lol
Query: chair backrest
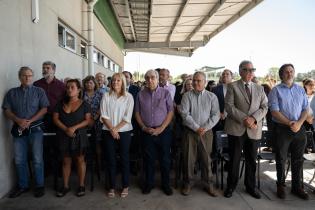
(265, 141)
(222, 141)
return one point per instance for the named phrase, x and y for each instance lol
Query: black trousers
(249, 146)
(157, 147)
(288, 141)
(111, 146)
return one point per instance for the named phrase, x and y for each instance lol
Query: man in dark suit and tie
(246, 105)
(220, 91)
(132, 89)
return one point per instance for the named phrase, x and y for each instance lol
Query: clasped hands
(154, 131)
(250, 122)
(295, 126)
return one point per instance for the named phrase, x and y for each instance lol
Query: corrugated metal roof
(175, 26)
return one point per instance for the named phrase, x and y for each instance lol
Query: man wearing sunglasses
(246, 105)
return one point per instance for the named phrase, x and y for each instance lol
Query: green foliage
(301, 76)
(137, 76)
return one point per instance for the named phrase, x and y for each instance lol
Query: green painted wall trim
(106, 16)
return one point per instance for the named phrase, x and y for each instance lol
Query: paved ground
(198, 200)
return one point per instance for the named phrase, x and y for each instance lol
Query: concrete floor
(197, 200)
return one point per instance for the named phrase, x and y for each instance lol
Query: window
(70, 41)
(61, 31)
(113, 67)
(83, 47)
(100, 58)
(108, 64)
(105, 62)
(66, 38)
(118, 68)
(95, 58)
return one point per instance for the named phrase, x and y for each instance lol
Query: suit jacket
(238, 107)
(218, 91)
(134, 90)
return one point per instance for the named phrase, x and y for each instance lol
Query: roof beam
(176, 52)
(153, 45)
(179, 15)
(117, 17)
(205, 20)
(235, 17)
(127, 6)
(150, 19)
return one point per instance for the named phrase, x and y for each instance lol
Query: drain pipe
(90, 44)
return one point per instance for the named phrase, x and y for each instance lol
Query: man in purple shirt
(154, 112)
(54, 89)
(164, 76)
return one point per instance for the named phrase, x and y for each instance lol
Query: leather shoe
(17, 192)
(301, 193)
(146, 190)
(210, 190)
(167, 190)
(281, 192)
(39, 192)
(253, 193)
(228, 192)
(186, 189)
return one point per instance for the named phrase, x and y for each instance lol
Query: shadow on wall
(7, 168)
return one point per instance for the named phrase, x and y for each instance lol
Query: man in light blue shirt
(289, 108)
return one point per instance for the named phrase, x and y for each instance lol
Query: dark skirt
(71, 147)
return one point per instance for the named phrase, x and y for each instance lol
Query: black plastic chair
(222, 145)
(264, 155)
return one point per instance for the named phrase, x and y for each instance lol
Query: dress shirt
(25, 102)
(55, 91)
(291, 102)
(153, 106)
(171, 88)
(200, 109)
(117, 109)
(224, 86)
(104, 89)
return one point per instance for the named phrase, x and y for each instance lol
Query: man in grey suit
(246, 105)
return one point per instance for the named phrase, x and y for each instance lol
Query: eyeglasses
(27, 76)
(249, 70)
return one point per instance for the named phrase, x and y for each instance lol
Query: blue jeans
(21, 148)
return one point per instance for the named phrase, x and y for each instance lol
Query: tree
(138, 76)
(273, 73)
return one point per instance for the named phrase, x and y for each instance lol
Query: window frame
(64, 38)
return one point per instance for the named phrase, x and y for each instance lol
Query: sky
(273, 33)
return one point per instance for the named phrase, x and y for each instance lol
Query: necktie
(248, 92)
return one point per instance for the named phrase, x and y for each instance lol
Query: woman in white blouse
(116, 112)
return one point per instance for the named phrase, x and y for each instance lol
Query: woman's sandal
(81, 191)
(124, 192)
(111, 193)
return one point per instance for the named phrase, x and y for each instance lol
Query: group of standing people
(116, 113)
